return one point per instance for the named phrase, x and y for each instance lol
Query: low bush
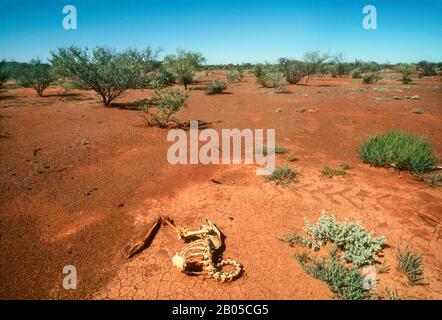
(327, 171)
(410, 263)
(371, 77)
(359, 246)
(356, 73)
(427, 68)
(406, 72)
(259, 71)
(217, 86)
(433, 178)
(273, 78)
(294, 71)
(282, 175)
(165, 103)
(399, 150)
(232, 76)
(347, 283)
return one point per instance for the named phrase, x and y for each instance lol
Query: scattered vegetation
(37, 75)
(165, 103)
(399, 150)
(392, 294)
(327, 171)
(233, 75)
(270, 76)
(433, 178)
(107, 72)
(292, 70)
(426, 68)
(282, 175)
(371, 77)
(417, 111)
(359, 246)
(406, 72)
(276, 149)
(183, 65)
(347, 283)
(217, 86)
(410, 263)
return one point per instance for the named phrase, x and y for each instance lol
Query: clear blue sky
(228, 31)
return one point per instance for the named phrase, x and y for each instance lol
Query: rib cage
(196, 257)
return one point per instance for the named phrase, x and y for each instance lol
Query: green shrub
(356, 73)
(433, 178)
(107, 72)
(427, 68)
(327, 171)
(346, 283)
(410, 263)
(400, 150)
(275, 79)
(360, 247)
(183, 65)
(282, 175)
(294, 71)
(406, 72)
(159, 79)
(165, 102)
(371, 77)
(259, 71)
(37, 75)
(232, 76)
(276, 149)
(217, 86)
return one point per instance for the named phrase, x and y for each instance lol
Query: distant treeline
(110, 72)
(16, 69)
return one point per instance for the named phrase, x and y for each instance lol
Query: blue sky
(228, 31)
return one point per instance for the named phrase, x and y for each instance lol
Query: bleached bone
(196, 257)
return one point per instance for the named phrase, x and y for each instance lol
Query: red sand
(90, 200)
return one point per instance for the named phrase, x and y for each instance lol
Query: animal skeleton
(197, 256)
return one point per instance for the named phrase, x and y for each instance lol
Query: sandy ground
(67, 203)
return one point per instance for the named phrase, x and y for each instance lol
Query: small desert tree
(313, 60)
(166, 102)
(183, 65)
(339, 66)
(4, 74)
(37, 75)
(107, 72)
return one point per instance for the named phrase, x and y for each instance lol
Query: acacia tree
(107, 72)
(183, 65)
(338, 60)
(312, 61)
(37, 75)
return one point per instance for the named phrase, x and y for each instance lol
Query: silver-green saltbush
(359, 246)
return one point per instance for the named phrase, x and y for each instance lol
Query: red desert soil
(64, 202)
